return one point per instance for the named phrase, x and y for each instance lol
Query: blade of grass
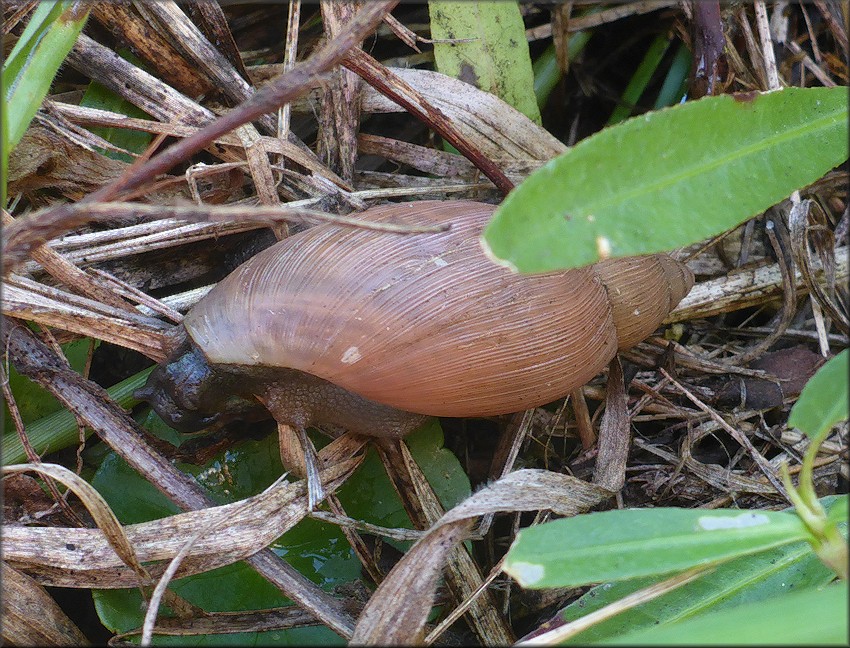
(59, 430)
(640, 79)
(676, 82)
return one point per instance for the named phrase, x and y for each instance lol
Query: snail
(371, 332)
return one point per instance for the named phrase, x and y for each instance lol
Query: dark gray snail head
(189, 394)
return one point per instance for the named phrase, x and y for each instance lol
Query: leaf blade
(494, 56)
(669, 178)
(815, 616)
(823, 401)
(619, 545)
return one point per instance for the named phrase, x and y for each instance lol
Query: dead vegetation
(115, 247)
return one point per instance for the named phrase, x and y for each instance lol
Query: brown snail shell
(425, 323)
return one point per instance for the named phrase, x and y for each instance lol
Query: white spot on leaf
(603, 247)
(492, 256)
(741, 521)
(527, 573)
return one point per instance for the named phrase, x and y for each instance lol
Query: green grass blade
(676, 82)
(670, 178)
(30, 68)
(59, 430)
(40, 21)
(496, 57)
(640, 79)
(547, 73)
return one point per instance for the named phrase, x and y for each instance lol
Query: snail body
(370, 331)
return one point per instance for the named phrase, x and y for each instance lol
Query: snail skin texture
(370, 332)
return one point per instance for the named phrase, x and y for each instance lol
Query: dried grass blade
(103, 516)
(397, 611)
(614, 433)
(31, 617)
(83, 557)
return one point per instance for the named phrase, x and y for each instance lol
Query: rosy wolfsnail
(370, 332)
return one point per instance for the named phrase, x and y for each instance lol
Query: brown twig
(395, 88)
(285, 88)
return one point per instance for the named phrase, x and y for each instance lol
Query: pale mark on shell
(351, 355)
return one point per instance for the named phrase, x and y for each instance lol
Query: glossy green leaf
(810, 617)
(670, 178)
(823, 401)
(619, 545)
(747, 579)
(495, 55)
(317, 550)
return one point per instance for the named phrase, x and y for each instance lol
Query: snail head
(189, 394)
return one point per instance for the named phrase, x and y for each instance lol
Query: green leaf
(546, 70)
(747, 579)
(317, 550)
(670, 178)
(101, 97)
(495, 58)
(619, 545)
(839, 512)
(823, 401)
(676, 82)
(35, 402)
(29, 70)
(810, 617)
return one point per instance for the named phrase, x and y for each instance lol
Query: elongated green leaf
(99, 96)
(810, 617)
(823, 402)
(670, 178)
(640, 79)
(494, 56)
(34, 402)
(31, 68)
(747, 579)
(619, 545)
